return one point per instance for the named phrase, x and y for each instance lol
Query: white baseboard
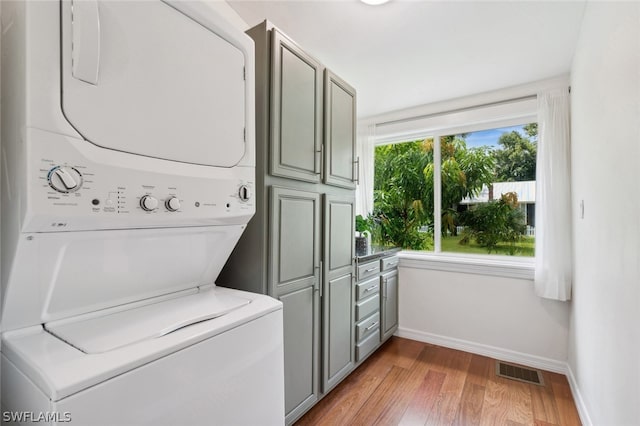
(485, 350)
(577, 398)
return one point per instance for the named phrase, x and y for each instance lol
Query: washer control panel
(75, 193)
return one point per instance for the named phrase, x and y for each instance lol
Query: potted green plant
(363, 234)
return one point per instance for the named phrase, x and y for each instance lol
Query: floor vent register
(521, 374)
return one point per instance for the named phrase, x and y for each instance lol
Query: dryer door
(143, 77)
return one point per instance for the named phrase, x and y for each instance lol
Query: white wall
(496, 316)
(223, 8)
(604, 348)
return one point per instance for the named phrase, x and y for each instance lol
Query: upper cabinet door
(146, 78)
(295, 240)
(296, 112)
(340, 167)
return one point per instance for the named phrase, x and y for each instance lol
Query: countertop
(374, 252)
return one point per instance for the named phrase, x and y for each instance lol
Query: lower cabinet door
(301, 351)
(337, 289)
(389, 304)
(337, 330)
(294, 269)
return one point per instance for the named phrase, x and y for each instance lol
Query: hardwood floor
(414, 383)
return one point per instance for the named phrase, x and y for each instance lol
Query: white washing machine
(128, 174)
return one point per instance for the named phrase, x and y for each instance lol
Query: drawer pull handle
(370, 270)
(373, 287)
(372, 325)
(392, 263)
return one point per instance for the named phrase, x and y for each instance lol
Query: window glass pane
(488, 191)
(403, 195)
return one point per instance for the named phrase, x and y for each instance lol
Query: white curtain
(364, 190)
(553, 273)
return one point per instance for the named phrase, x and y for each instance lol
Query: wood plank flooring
(414, 383)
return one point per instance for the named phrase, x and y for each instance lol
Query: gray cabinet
(340, 165)
(389, 304)
(295, 280)
(337, 295)
(301, 319)
(295, 242)
(296, 111)
(298, 247)
(389, 300)
(376, 303)
(367, 306)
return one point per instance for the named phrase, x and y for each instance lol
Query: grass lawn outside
(452, 244)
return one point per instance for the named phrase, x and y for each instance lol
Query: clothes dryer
(128, 168)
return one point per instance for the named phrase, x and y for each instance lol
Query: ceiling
(408, 53)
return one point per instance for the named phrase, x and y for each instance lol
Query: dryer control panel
(123, 190)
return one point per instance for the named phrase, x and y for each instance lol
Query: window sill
(497, 266)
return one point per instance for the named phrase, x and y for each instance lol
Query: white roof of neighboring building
(526, 191)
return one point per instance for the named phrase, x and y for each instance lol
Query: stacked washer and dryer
(127, 177)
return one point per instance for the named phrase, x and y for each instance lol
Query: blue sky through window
(490, 137)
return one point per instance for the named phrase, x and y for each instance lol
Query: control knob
(244, 193)
(172, 204)
(148, 203)
(65, 179)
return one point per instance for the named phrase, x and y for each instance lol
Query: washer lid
(115, 330)
(143, 77)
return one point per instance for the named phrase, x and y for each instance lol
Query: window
(403, 212)
(485, 181)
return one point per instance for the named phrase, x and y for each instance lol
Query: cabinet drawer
(368, 270)
(367, 307)
(367, 288)
(369, 325)
(367, 346)
(389, 263)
